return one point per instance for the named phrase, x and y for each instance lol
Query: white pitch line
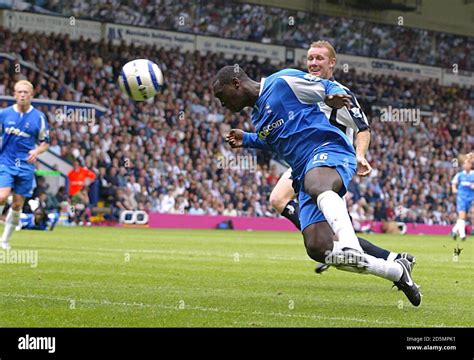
(194, 253)
(205, 309)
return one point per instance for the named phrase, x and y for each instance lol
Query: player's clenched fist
(363, 166)
(337, 101)
(235, 138)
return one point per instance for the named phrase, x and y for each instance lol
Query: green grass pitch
(116, 277)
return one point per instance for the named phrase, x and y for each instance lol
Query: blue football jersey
(20, 134)
(465, 184)
(288, 119)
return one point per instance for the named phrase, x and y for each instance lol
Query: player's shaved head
(234, 88)
(228, 73)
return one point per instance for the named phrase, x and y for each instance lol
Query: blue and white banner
(230, 48)
(75, 28)
(139, 35)
(453, 76)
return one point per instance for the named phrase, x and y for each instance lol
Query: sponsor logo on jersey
(17, 132)
(266, 130)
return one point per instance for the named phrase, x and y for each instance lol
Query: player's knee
(17, 205)
(317, 247)
(315, 252)
(3, 199)
(278, 201)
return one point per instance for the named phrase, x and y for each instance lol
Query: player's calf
(11, 222)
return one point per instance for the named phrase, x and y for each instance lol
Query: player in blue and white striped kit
(463, 186)
(23, 127)
(290, 123)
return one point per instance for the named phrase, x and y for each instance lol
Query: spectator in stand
(122, 177)
(41, 186)
(168, 201)
(106, 189)
(195, 209)
(81, 213)
(48, 202)
(54, 147)
(120, 204)
(129, 198)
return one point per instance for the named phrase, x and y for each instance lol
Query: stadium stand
(272, 25)
(163, 156)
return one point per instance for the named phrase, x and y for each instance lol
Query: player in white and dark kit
(463, 187)
(25, 136)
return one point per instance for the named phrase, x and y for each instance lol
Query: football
(140, 79)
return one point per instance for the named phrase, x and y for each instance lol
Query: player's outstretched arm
(238, 138)
(362, 142)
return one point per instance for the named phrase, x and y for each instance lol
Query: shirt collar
(262, 84)
(15, 108)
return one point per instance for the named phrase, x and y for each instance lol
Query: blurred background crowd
(164, 156)
(273, 25)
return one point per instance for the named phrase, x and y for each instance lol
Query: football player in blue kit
(38, 220)
(463, 187)
(290, 123)
(25, 136)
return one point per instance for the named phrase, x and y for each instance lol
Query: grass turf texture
(113, 277)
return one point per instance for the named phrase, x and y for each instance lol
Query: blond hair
(468, 157)
(24, 82)
(325, 44)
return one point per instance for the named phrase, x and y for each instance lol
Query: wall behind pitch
(232, 47)
(140, 35)
(75, 28)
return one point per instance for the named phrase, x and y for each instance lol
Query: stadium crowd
(273, 25)
(164, 156)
